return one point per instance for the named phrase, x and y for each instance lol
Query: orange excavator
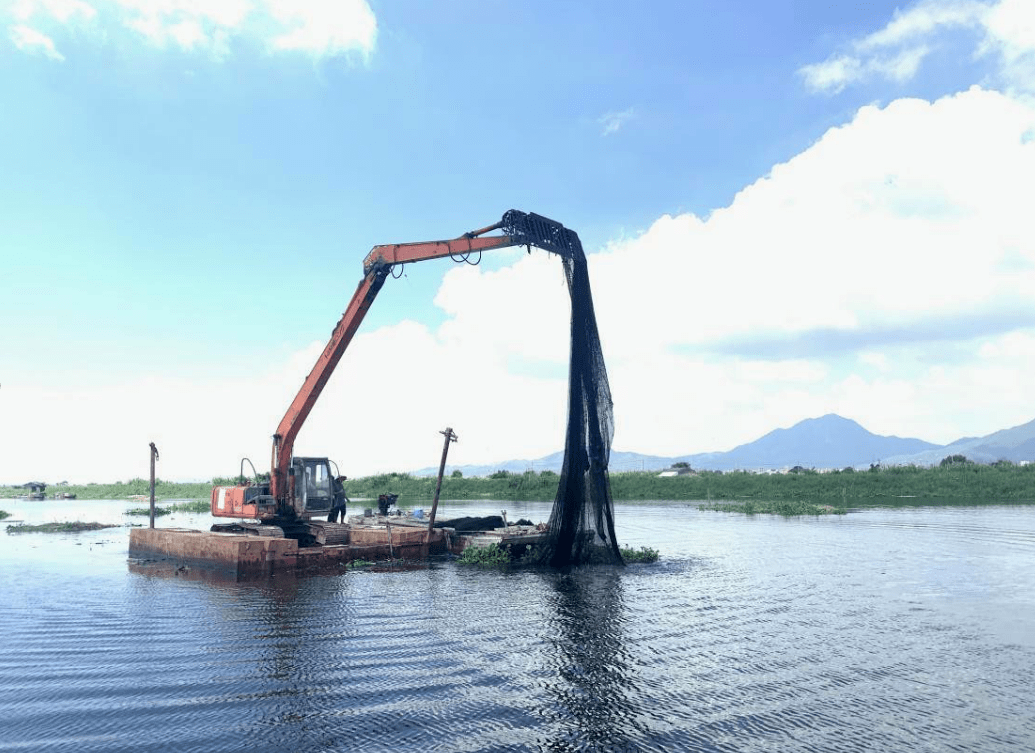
(300, 487)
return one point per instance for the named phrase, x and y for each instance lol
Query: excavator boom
(518, 229)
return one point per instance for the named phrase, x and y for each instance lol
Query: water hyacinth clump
(787, 508)
(63, 527)
(493, 555)
(502, 555)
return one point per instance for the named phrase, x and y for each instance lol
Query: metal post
(450, 437)
(154, 457)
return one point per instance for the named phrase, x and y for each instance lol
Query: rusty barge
(261, 551)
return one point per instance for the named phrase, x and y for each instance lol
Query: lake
(882, 630)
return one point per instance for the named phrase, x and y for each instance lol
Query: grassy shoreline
(909, 485)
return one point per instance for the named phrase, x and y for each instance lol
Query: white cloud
(1011, 27)
(323, 28)
(876, 360)
(63, 11)
(188, 34)
(833, 74)
(909, 211)
(1004, 30)
(33, 42)
(613, 121)
(923, 19)
(904, 65)
(311, 27)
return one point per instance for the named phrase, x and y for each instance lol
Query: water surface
(905, 629)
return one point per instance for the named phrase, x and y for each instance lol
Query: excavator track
(280, 528)
(329, 533)
(252, 529)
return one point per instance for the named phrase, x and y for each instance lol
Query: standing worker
(340, 498)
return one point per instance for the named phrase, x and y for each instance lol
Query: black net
(581, 526)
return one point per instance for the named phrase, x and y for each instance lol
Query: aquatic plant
(159, 511)
(67, 526)
(200, 505)
(194, 506)
(787, 508)
(4, 514)
(643, 554)
(493, 555)
(530, 556)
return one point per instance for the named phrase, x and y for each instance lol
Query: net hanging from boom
(581, 526)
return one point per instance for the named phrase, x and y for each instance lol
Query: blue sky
(189, 188)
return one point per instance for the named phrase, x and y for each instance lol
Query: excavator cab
(314, 485)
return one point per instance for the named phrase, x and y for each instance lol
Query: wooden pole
(450, 437)
(154, 457)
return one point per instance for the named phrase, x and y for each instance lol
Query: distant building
(36, 490)
(678, 470)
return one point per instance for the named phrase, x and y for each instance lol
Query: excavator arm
(518, 229)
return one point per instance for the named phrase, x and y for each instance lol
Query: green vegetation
(951, 483)
(200, 505)
(501, 555)
(493, 555)
(146, 511)
(503, 485)
(955, 480)
(74, 526)
(643, 554)
(4, 514)
(769, 507)
(124, 489)
(969, 481)
(235, 480)
(195, 506)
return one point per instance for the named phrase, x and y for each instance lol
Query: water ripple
(882, 631)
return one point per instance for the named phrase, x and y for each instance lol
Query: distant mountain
(830, 441)
(620, 461)
(1014, 444)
